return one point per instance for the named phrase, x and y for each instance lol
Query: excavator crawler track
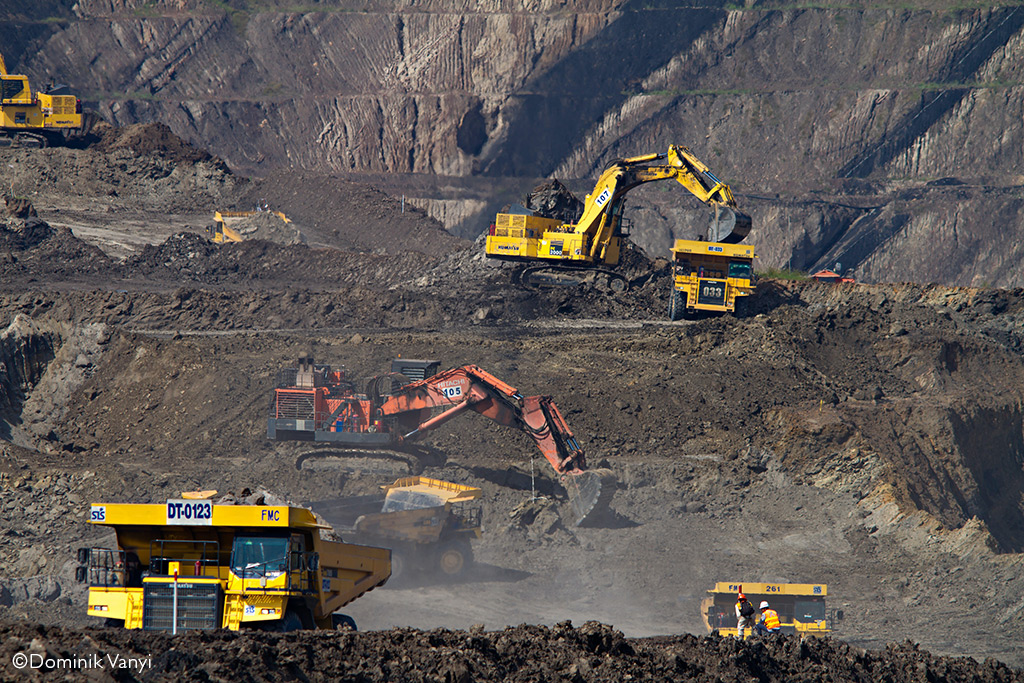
(335, 458)
(23, 139)
(536, 278)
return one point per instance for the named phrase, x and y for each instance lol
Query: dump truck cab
(190, 564)
(801, 606)
(709, 276)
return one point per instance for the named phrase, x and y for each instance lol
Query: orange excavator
(317, 403)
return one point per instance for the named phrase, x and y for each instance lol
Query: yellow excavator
(559, 250)
(35, 119)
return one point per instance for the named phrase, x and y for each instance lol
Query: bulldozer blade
(729, 225)
(590, 493)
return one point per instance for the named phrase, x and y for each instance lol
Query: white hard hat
(764, 604)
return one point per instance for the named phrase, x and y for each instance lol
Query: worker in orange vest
(769, 620)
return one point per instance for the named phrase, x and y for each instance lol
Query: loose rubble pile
(554, 200)
(590, 652)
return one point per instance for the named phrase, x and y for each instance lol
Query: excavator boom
(322, 406)
(471, 388)
(594, 240)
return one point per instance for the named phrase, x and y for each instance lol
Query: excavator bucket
(729, 225)
(590, 493)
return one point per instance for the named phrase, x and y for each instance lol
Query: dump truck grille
(711, 292)
(198, 606)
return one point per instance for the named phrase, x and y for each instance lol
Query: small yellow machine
(221, 230)
(709, 276)
(801, 606)
(190, 564)
(34, 119)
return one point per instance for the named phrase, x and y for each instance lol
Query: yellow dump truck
(222, 231)
(801, 606)
(189, 564)
(426, 522)
(709, 276)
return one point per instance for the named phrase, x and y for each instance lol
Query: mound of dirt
(33, 251)
(345, 215)
(20, 228)
(18, 234)
(149, 139)
(591, 652)
(19, 207)
(188, 258)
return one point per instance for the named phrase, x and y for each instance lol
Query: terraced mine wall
(886, 140)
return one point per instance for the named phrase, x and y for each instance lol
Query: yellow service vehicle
(190, 564)
(592, 243)
(709, 276)
(801, 606)
(221, 230)
(34, 119)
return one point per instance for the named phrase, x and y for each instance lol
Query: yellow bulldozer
(29, 118)
(223, 231)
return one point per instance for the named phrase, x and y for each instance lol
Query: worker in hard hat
(744, 615)
(769, 620)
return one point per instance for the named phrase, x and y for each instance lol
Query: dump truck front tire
(291, 621)
(676, 305)
(343, 622)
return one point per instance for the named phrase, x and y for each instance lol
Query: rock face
(791, 107)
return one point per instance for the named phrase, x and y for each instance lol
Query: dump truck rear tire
(454, 558)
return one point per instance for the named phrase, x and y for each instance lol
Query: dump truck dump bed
(191, 564)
